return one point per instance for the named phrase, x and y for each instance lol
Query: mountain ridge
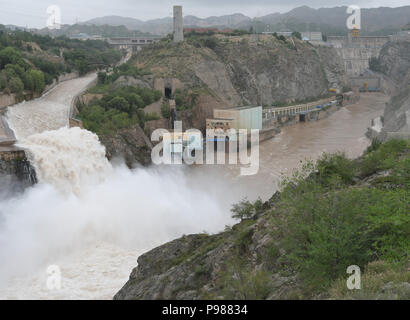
(328, 20)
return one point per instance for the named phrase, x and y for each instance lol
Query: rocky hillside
(130, 144)
(299, 244)
(224, 71)
(396, 119)
(394, 60)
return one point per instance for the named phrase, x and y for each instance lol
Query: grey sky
(32, 13)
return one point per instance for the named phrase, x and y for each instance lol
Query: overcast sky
(32, 13)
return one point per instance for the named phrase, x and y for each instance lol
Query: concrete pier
(7, 137)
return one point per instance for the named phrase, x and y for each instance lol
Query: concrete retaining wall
(73, 121)
(61, 78)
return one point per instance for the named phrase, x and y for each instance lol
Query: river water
(93, 219)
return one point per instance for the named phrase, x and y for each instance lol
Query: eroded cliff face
(16, 171)
(396, 119)
(394, 59)
(395, 62)
(246, 70)
(131, 144)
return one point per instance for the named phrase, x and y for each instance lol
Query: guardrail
(273, 112)
(73, 121)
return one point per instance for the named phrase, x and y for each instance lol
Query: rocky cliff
(227, 71)
(394, 60)
(131, 144)
(15, 169)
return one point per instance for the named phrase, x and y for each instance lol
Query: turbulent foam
(128, 213)
(67, 158)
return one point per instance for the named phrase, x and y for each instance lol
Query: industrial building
(134, 43)
(236, 118)
(312, 36)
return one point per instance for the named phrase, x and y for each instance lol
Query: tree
(102, 76)
(38, 80)
(16, 85)
(165, 111)
(297, 35)
(119, 103)
(243, 210)
(147, 96)
(9, 55)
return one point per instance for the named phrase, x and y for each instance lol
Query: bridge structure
(133, 43)
(273, 113)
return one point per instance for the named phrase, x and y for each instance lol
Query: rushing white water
(49, 112)
(67, 158)
(93, 220)
(127, 214)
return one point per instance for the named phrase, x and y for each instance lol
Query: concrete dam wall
(356, 51)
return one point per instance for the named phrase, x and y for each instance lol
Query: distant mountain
(374, 20)
(130, 23)
(331, 21)
(164, 25)
(104, 30)
(228, 20)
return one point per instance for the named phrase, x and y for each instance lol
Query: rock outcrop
(396, 119)
(196, 266)
(394, 59)
(131, 144)
(245, 70)
(14, 166)
(395, 123)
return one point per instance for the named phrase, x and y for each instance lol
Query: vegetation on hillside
(339, 212)
(329, 215)
(118, 108)
(105, 30)
(106, 79)
(29, 61)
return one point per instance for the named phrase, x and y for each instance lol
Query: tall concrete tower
(178, 24)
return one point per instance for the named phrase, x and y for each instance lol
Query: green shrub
(383, 157)
(239, 283)
(325, 230)
(16, 85)
(243, 210)
(331, 165)
(165, 110)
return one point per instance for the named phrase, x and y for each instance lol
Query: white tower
(178, 24)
